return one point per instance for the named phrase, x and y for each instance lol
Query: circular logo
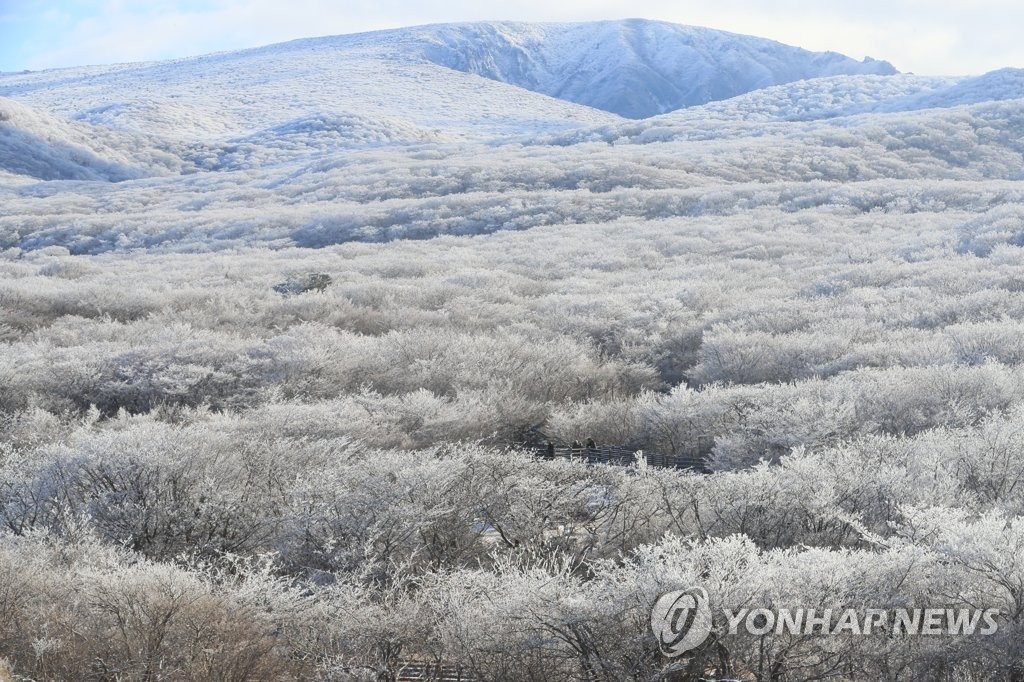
(681, 620)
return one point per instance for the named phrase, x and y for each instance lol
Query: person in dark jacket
(550, 450)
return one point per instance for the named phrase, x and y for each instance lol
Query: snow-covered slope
(999, 85)
(487, 78)
(966, 158)
(43, 146)
(634, 68)
(369, 138)
(235, 94)
(839, 99)
(819, 98)
(317, 133)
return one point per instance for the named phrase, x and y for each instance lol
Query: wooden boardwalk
(616, 455)
(403, 671)
(411, 671)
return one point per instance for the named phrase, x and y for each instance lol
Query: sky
(931, 37)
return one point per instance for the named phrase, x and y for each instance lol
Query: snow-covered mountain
(634, 68)
(393, 134)
(535, 77)
(237, 94)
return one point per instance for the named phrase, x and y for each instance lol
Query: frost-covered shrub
(300, 284)
(67, 268)
(159, 489)
(1001, 225)
(85, 611)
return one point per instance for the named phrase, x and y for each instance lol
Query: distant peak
(632, 67)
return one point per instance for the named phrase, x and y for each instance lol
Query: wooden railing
(405, 671)
(410, 671)
(617, 455)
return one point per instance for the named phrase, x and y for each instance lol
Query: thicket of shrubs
(264, 464)
(939, 161)
(201, 478)
(211, 546)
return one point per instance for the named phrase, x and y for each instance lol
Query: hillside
(535, 76)
(288, 337)
(222, 96)
(320, 179)
(39, 145)
(634, 68)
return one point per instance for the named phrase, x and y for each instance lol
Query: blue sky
(926, 37)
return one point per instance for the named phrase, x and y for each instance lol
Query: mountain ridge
(633, 68)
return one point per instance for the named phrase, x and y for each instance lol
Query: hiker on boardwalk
(591, 450)
(550, 451)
